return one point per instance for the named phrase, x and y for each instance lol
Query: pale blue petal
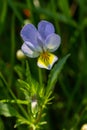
(29, 33)
(52, 42)
(36, 48)
(29, 52)
(45, 28)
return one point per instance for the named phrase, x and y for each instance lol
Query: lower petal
(47, 62)
(29, 52)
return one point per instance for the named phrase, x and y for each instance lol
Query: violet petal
(45, 28)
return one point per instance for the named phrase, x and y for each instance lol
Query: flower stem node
(41, 43)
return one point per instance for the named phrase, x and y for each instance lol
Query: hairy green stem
(40, 76)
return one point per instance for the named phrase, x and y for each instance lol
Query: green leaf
(15, 10)
(25, 88)
(1, 124)
(21, 121)
(19, 70)
(7, 110)
(64, 6)
(53, 76)
(23, 84)
(28, 73)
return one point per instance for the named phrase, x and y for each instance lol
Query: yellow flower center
(45, 56)
(46, 60)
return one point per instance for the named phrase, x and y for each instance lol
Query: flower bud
(84, 127)
(27, 21)
(34, 106)
(36, 3)
(20, 55)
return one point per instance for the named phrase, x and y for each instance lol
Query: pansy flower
(40, 43)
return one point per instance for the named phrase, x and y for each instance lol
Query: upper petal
(45, 28)
(52, 42)
(29, 52)
(29, 33)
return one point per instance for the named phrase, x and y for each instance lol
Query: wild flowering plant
(39, 43)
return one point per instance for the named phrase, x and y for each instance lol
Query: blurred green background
(68, 110)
